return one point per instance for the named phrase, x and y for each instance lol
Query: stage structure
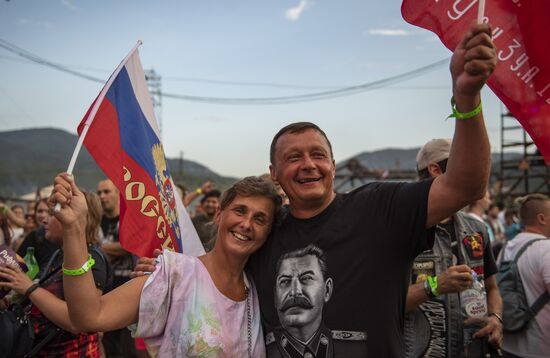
(522, 169)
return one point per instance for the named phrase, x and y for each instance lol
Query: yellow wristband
(82, 270)
(198, 191)
(467, 115)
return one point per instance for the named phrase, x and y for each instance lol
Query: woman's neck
(227, 273)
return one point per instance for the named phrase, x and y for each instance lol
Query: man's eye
(306, 278)
(284, 282)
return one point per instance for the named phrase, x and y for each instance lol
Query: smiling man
(371, 235)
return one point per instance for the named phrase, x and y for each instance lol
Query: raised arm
(468, 167)
(88, 310)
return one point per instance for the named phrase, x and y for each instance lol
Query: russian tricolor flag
(121, 133)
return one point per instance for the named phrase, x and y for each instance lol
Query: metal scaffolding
(522, 167)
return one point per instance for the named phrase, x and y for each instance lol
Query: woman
(49, 310)
(189, 306)
(5, 234)
(43, 249)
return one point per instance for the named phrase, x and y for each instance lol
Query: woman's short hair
(253, 186)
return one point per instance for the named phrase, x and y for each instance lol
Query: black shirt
(370, 237)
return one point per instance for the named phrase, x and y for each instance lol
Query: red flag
(521, 35)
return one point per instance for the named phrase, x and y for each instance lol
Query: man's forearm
(415, 296)
(113, 249)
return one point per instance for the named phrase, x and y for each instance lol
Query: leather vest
(435, 329)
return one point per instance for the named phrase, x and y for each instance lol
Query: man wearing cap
(434, 324)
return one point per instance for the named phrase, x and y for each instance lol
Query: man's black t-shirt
(369, 238)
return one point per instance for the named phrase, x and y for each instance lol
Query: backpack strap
(544, 297)
(524, 248)
(540, 302)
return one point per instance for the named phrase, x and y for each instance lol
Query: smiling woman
(189, 306)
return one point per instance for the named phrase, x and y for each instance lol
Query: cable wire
(340, 92)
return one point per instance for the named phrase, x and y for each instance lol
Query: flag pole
(480, 11)
(94, 110)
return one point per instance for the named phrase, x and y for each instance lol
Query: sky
(255, 49)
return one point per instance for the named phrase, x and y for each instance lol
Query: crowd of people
(293, 269)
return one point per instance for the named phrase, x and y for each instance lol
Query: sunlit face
(42, 213)
(301, 292)
(108, 195)
(243, 226)
(19, 212)
(304, 168)
(211, 205)
(54, 230)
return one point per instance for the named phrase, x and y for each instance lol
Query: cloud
(68, 4)
(294, 13)
(387, 32)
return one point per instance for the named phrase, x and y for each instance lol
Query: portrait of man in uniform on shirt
(302, 288)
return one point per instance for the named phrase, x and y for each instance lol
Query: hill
(32, 157)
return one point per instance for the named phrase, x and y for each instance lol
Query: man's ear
(541, 219)
(328, 289)
(272, 172)
(434, 169)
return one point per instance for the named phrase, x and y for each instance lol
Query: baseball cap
(433, 151)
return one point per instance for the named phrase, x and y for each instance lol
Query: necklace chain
(249, 320)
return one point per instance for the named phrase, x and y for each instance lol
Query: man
(534, 269)
(203, 223)
(117, 343)
(372, 235)
(434, 325)
(301, 291)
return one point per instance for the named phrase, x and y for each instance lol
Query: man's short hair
(211, 194)
(297, 127)
(530, 206)
(425, 173)
(308, 250)
(434, 151)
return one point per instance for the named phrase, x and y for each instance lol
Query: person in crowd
(434, 323)
(117, 343)
(43, 249)
(493, 218)
(190, 306)
(210, 204)
(511, 224)
(534, 269)
(30, 224)
(5, 233)
(49, 312)
(17, 226)
(377, 230)
(191, 196)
